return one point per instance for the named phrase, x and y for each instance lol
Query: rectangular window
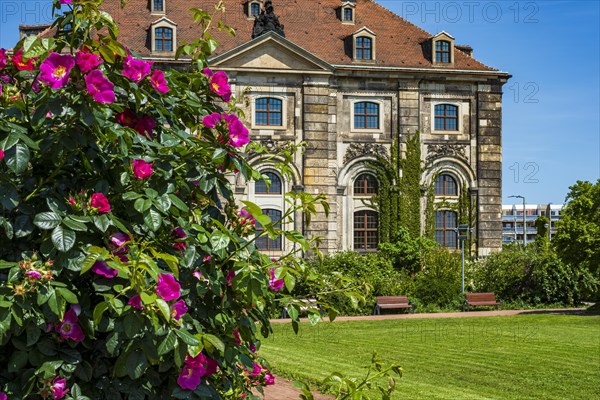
(366, 115)
(348, 14)
(366, 230)
(442, 51)
(446, 117)
(163, 39)
(158, 5)
(268, 111)
(445, 229)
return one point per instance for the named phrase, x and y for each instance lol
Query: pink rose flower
(136, 302)
(190, 377)
(168, 288)
(100, 88)
(208, 72)
(219, 84)
(256, 369)
(179, 233)
(269, 379)
(126, 118)
(33, 275)
(236, 337)
(3, 60)
(178, 309)
(101, 268)
(229, 277)
(59, 386)
(206, 259)
(210, 366)
(100, 202)
(142, 169)
(274, 283)
(246, 217)
(55, 69)
(68, 327)
(72, 201)
(1, 151)
(159, 82)
(238, 133)
(3, 396)
(87, 61)
(135, 69)
(144, 126)
(118, 239)
(21, 64)
(210, 121)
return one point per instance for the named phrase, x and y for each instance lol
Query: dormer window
(158, 6)
(364, 45)
(347, 12)
(163, 36)
(442, 49)
(253, 9)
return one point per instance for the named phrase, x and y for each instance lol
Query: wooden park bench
(480, 299)
(392, 302)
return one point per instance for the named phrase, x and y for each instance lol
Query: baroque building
(347, 77)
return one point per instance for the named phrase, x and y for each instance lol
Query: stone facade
(319, 85)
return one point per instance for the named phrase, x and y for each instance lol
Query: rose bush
(127, 271)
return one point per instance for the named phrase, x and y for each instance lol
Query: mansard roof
(311, 25)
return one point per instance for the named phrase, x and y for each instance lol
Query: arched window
(445, 228)
(366, 230)
(445, 185)
(442, 51)
(163, 39)
(366, 115)
(267, 111)
(275, 187)
(366, 185)
(363, 49)
(265, 243)
(446, 117)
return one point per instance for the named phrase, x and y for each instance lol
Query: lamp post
(524, 220)
(463, 229)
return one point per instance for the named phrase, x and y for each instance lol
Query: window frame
(446, 229)
(364, 246)
(442, 52)
(283, 112)
(277, 223)
(163, 39)
(445, 176)
(365, 185)
(366, 115)
(446, 117)
(363, 48)
(163, 23)
(269, 190)
(156, 10)
(250, 5)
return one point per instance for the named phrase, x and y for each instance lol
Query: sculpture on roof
(267, 21)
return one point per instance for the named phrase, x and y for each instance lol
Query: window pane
(158, 5)
(268, 111)
(439, 110)
(254, 9)
(451, 110)
(347, 14)
(450, 219)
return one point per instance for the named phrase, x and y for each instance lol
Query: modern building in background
(347, 77)
(512, 220)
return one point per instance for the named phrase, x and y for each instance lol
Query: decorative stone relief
(445, 150)
(356, 150)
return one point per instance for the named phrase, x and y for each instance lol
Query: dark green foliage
(406, 251)
(439, 282)
(542, 225)
(410, 186)
(577, 240)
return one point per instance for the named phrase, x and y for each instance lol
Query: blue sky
(551, 121)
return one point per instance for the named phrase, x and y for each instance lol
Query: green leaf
(214, 342)
(136, 364)
(219, 240)
(164, 308)
(142, 204)
(75, 225)
(17, 361)
(69, 296)
(99, 310)
(9, 198)
(63, 239)
(47, 220)
(177, 202)
(131, 196)
(17, 158)
(134, 325)
(88, 262)
(187, 337)
(33, 334)
(23, 226)
(152, 219)
(168, 343)
(102, 222)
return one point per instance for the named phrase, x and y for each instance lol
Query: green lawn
(517, 357)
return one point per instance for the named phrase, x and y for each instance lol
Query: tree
(126, 268)
(577, 240)
(542, 225)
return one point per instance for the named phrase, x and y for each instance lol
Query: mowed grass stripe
(516, 357)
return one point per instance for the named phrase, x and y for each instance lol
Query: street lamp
(524, 220)
(463, 230)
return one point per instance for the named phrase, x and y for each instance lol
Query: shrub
(439, 282)
(405, 251)
(126, 269)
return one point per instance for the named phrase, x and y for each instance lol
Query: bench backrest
(392, 299)
(480, 296)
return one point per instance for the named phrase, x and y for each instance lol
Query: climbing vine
(410, 186)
